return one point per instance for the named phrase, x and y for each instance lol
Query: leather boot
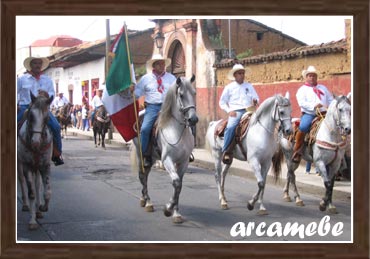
(298, 147)
(227, 156)
(57, 156)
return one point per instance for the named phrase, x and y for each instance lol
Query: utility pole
(107, 66)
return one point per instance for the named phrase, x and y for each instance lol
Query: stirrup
(191, 158)
(296, 158)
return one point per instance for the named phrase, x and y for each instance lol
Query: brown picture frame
(358, 249)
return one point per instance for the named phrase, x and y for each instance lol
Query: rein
(183, 110)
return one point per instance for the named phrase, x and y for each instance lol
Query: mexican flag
(117, 98)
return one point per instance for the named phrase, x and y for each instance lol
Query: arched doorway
(178, 59)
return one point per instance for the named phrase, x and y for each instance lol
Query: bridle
(276, 115)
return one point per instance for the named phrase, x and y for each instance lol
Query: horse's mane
(257, 115)
(40, 102)
(266, 104)
(165, 113)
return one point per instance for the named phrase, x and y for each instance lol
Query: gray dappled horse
(327, 150)
(34, 149)
(175, 143)
(260, 144)
(101, 125)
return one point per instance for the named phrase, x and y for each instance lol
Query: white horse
(327, 151)
(259, 143)
(175, 143)
(34, 150)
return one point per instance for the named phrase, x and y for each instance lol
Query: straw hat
(310, 70)
(27, 63)
(235, 68)
(155, 58)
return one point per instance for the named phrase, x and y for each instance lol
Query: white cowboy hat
(99, 89)
(156, 57)
(235, 68)
(310, 70)
(27, 63)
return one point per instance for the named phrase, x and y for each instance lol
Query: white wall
(75, 75)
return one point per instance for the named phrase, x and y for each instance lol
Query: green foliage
(245, 54)
(216, 40)
(140, 71)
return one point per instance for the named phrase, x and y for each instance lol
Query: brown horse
(101, 125)
(63, 115)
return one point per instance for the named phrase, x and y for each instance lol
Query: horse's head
(340, 108)
(186, 99)
(283, 113)
(37, 118)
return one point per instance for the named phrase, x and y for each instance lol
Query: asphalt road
(95, 197)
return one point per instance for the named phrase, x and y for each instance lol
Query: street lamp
(159, 40)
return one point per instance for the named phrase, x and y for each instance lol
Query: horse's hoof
(262, 212)
(287, 199)
(322, 207)
(39, 215)
(166, 212)
(96, 146)
(177, 220)
(25, 208)
(142, 202)
(333, 210)
(43, 208)
(299, 203)
(33, 226)
(149, 208)
(224, 206)
(250, 206)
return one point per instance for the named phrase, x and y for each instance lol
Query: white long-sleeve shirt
(96, 101)
(148, 87)
(60, 102)
(27, 83)
(307, 99)
(237, 96)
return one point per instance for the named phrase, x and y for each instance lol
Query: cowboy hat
(99, 89)
(235, 68)
(155, 58)
(27, 63)
(310, 70)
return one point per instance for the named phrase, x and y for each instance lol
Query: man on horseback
(310, 97)
(237, 98)
(59, 102)
(37, 83)
(154, 86)
(96, 102)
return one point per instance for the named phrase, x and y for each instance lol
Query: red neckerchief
(159, 81)
(37, 76)
(318, 92)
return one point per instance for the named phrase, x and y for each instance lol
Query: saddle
(310, 137)
(240, 131)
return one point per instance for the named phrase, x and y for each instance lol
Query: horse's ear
(192, 79)
(33, 98)
(178, 81)
(287, 95)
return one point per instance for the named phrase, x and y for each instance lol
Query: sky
(309, 29)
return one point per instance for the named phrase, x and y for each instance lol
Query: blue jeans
(150, 116)
(306, 121)
(53, 125)
(232, 123)
(308, 167)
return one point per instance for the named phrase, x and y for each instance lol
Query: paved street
(95, 197)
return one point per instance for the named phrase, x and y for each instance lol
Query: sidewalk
(310, 183)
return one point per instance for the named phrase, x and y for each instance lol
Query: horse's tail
(277, 159)
(133, 158)
(209, 134)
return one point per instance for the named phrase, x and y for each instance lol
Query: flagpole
(136, 111)
(107, 66)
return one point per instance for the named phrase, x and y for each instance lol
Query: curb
(304, 188)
